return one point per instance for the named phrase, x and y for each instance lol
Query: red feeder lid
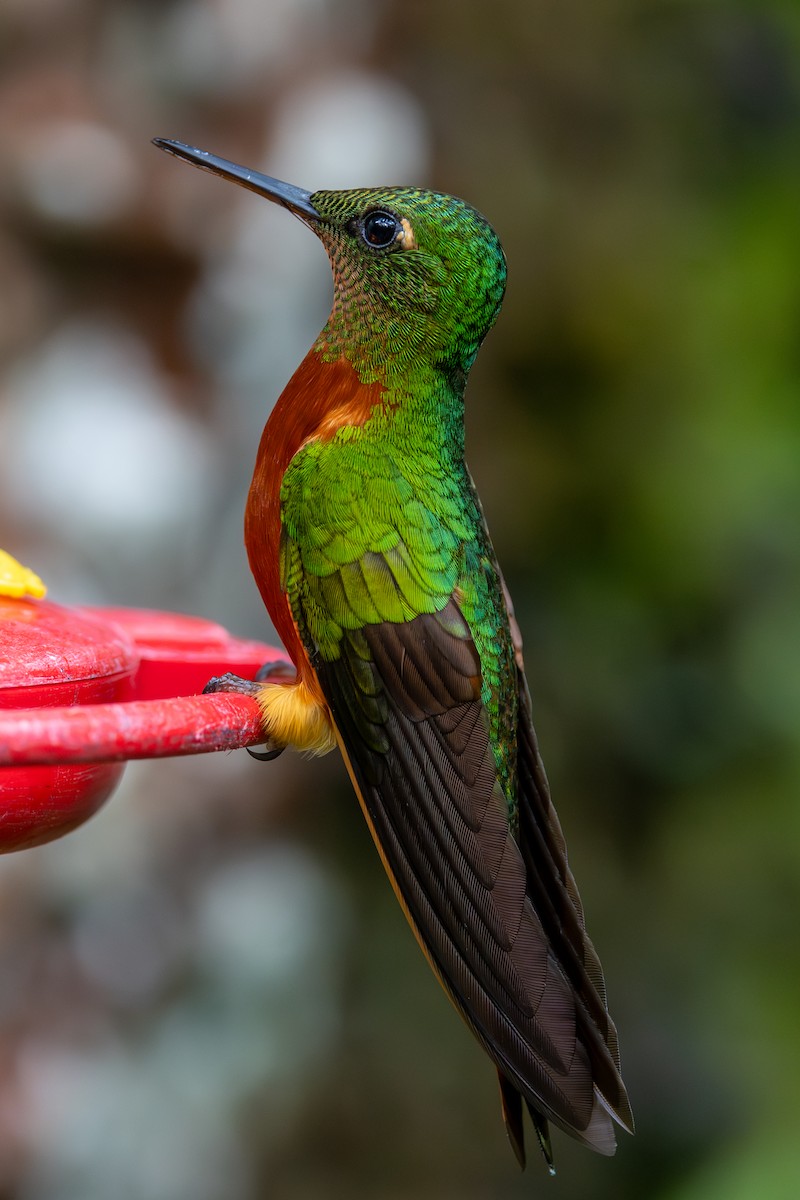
(54, 655)
(83, 690)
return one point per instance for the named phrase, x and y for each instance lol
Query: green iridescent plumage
(382, 522)
(406, 312)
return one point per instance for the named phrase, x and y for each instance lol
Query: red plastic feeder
(84, 690)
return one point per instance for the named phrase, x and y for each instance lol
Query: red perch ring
(84, 690)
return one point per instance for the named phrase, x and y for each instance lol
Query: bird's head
(418, 276)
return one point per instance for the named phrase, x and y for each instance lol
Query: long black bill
(296, 199)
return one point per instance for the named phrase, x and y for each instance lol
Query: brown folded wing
(499, 918)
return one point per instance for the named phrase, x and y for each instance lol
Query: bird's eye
(379, 228)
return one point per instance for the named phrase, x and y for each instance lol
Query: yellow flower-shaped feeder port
(18, 581)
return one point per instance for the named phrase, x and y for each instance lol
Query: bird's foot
(253, 687)
(232, 683)
(270, 672)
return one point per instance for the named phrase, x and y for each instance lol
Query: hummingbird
(368, 543)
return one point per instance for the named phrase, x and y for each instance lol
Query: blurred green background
(209, 991)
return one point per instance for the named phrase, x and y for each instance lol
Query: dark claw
(265, 755)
